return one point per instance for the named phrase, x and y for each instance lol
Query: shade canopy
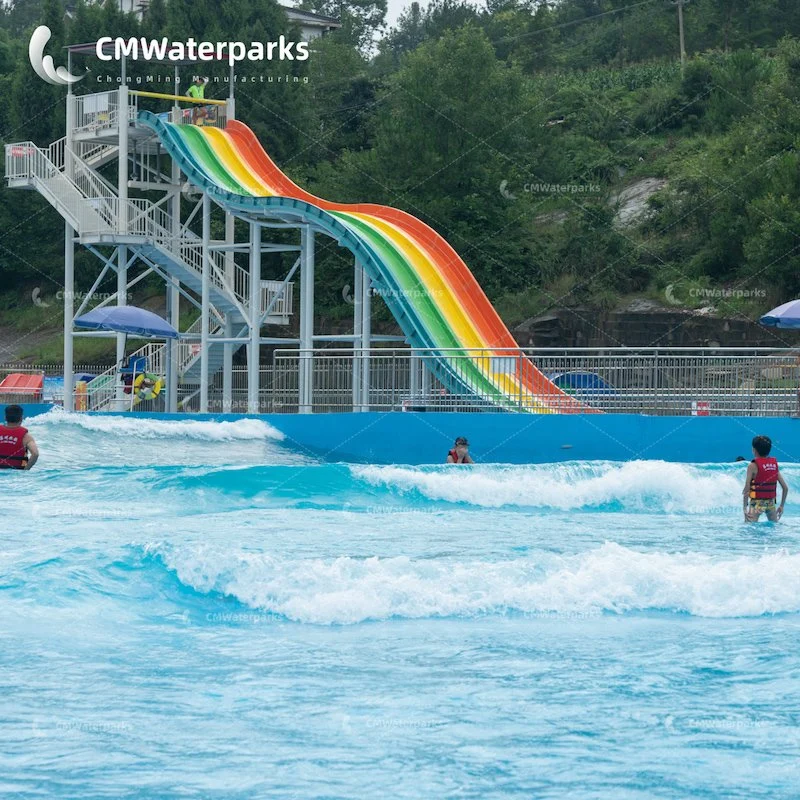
(785, 316)
(127, 319)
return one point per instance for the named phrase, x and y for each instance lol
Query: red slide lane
(458, 276)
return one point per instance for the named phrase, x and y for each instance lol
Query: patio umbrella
(785, 316)
(131, 321)
(128, 319)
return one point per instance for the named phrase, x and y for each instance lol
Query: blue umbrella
(128, 319)
(785, 316)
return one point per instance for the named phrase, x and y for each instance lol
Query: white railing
(97, 112)
(217, 115)
(23, 159)
(104, 390)
(91, 152)
(188, 349)
(101, 211)
(279, 295)
(190, 251)
(56, 152)
(91, 183)
(679, 381)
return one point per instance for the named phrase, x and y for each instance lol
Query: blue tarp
(581, 381)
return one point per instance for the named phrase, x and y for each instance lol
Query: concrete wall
(661, 328)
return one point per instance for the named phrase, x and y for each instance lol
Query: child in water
(760, 486)
(460, 452)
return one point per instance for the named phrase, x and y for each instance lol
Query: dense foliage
(508, 128)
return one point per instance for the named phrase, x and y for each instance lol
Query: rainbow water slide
(434, 297)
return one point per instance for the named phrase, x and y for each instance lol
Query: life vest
(764, 485)
(13, 453)
(454, 455)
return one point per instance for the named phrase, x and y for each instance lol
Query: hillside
(559, 147)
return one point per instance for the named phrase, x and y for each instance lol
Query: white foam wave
(610, 578)
(147, 428)
(635, 485)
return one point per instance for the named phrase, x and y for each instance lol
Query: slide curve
(429, 289)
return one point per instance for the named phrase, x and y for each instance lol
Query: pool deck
(424, 438)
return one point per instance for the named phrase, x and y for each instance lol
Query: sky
(397, 6)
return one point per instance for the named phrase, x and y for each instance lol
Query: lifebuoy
(147, 386)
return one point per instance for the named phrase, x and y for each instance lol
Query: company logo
(43, 65)
(505, 192)
(191, 192)
(669, 293)
(37, 300)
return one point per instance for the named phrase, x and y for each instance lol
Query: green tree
(361, 20)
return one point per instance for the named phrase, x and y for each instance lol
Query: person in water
(460, 452)
(18, 449)
(760, 485)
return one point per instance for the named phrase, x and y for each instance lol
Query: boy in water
(460, 452)
(760, 486)
(18, 448)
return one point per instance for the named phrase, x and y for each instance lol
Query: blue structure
(412, 438)
(28, 409)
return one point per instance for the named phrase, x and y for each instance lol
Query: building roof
(298, 14)
(311, 16)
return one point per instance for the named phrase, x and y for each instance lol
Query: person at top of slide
(18, 449)
(760, 485)
(460, 452)
(198, 91)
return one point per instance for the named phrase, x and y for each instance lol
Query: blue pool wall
(29, 409)
(424, 438)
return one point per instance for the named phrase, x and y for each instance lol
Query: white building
(311, 25)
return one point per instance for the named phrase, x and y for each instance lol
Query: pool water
(191, 609)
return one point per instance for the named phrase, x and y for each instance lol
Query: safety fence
(678, 381)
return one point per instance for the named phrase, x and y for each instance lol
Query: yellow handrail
(184, 98)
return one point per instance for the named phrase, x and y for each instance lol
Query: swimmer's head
(14, 415)
(762, 445)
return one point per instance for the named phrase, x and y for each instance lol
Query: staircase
(69, 181)
(189, 361)
(93, 209)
